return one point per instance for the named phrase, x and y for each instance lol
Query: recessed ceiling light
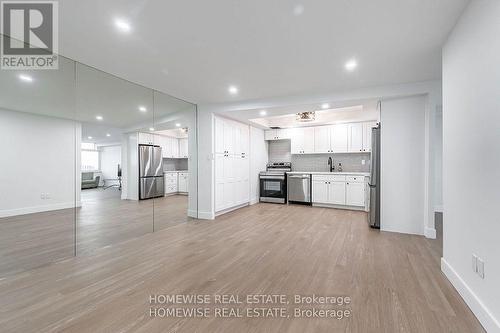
(178, 125)
(325, 106)
(351, 65)
(142, 108)
(98, 117)
(298, 10)
(25, 78)
(89, 137)
(108, 135)
(263, 112)
(122, 25)
(151, 129)
(233, 90)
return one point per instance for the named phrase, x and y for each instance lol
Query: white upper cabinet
(355, 137)
(146, 138)
(183, 148)
(367, 135)
(339, 135)
(322, 139)
(277, 134)
(302, 140)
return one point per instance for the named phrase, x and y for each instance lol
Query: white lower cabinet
(355, 194)
(338, 190)
(183, 182)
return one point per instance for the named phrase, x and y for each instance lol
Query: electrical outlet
(480, 268)
(474, 263)
(363, 162)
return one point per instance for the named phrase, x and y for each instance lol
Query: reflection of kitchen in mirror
(134, 159)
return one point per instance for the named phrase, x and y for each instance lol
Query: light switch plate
(474, 263)
(363, 162)
(480, 267)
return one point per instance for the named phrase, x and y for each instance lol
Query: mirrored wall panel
(175, 136)
(89, 161)
(38, 178)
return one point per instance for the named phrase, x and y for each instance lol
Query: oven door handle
(273, 177)
(300, 177)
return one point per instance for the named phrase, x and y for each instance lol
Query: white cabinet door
(270, 134)
(183, 185)
(236, 130)
(282, 133)
(338, 138)
(355, 138)
(367, 135)
(219, 136)
(320, 191)
(145, 138)
(309, 140)
(297, 141)
(175, 147)
(322, 139)
(228, 137)
(337, 193)
(245, 140)
(183, 148)
(355, 194)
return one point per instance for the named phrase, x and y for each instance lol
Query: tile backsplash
(174, 164)
(280, 151)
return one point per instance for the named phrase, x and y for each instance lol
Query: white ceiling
(195, 49)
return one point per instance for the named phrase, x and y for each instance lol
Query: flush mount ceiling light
(108, 135)
(142, 109)
(89, 137)
(298, 10)
(325, 106)
(151, 129)
(99, 117)
(25, 78)
(177, 125)
(233, 90)
(263, 112)
(122, 25)
(351, 65)
(305, 116)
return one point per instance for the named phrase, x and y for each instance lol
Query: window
(90, 157)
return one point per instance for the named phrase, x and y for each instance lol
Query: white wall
(471, 158)
(438, 162)
(402, 165)
(258, 161)
(110, 158)
(38, 156)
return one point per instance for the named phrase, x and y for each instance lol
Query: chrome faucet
(330, 163)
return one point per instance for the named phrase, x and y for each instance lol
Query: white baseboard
(38, 209)
(485, 317)
(438, 208)
(254, 201)
(206, 215)
(430, 233)
(192, 213)
(231, 209)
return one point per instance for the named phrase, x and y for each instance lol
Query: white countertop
(175, 171)
(346, 173)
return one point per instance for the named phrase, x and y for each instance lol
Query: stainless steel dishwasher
(299, 188)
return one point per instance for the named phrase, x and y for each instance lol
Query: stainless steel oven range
(273, 182)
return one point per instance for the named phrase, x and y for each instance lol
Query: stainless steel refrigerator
(151, 183)
(374, 216)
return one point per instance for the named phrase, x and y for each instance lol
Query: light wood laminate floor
(32, 240)
(394, 280)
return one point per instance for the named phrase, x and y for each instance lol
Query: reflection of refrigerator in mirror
(150, 172)
(374, 215)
